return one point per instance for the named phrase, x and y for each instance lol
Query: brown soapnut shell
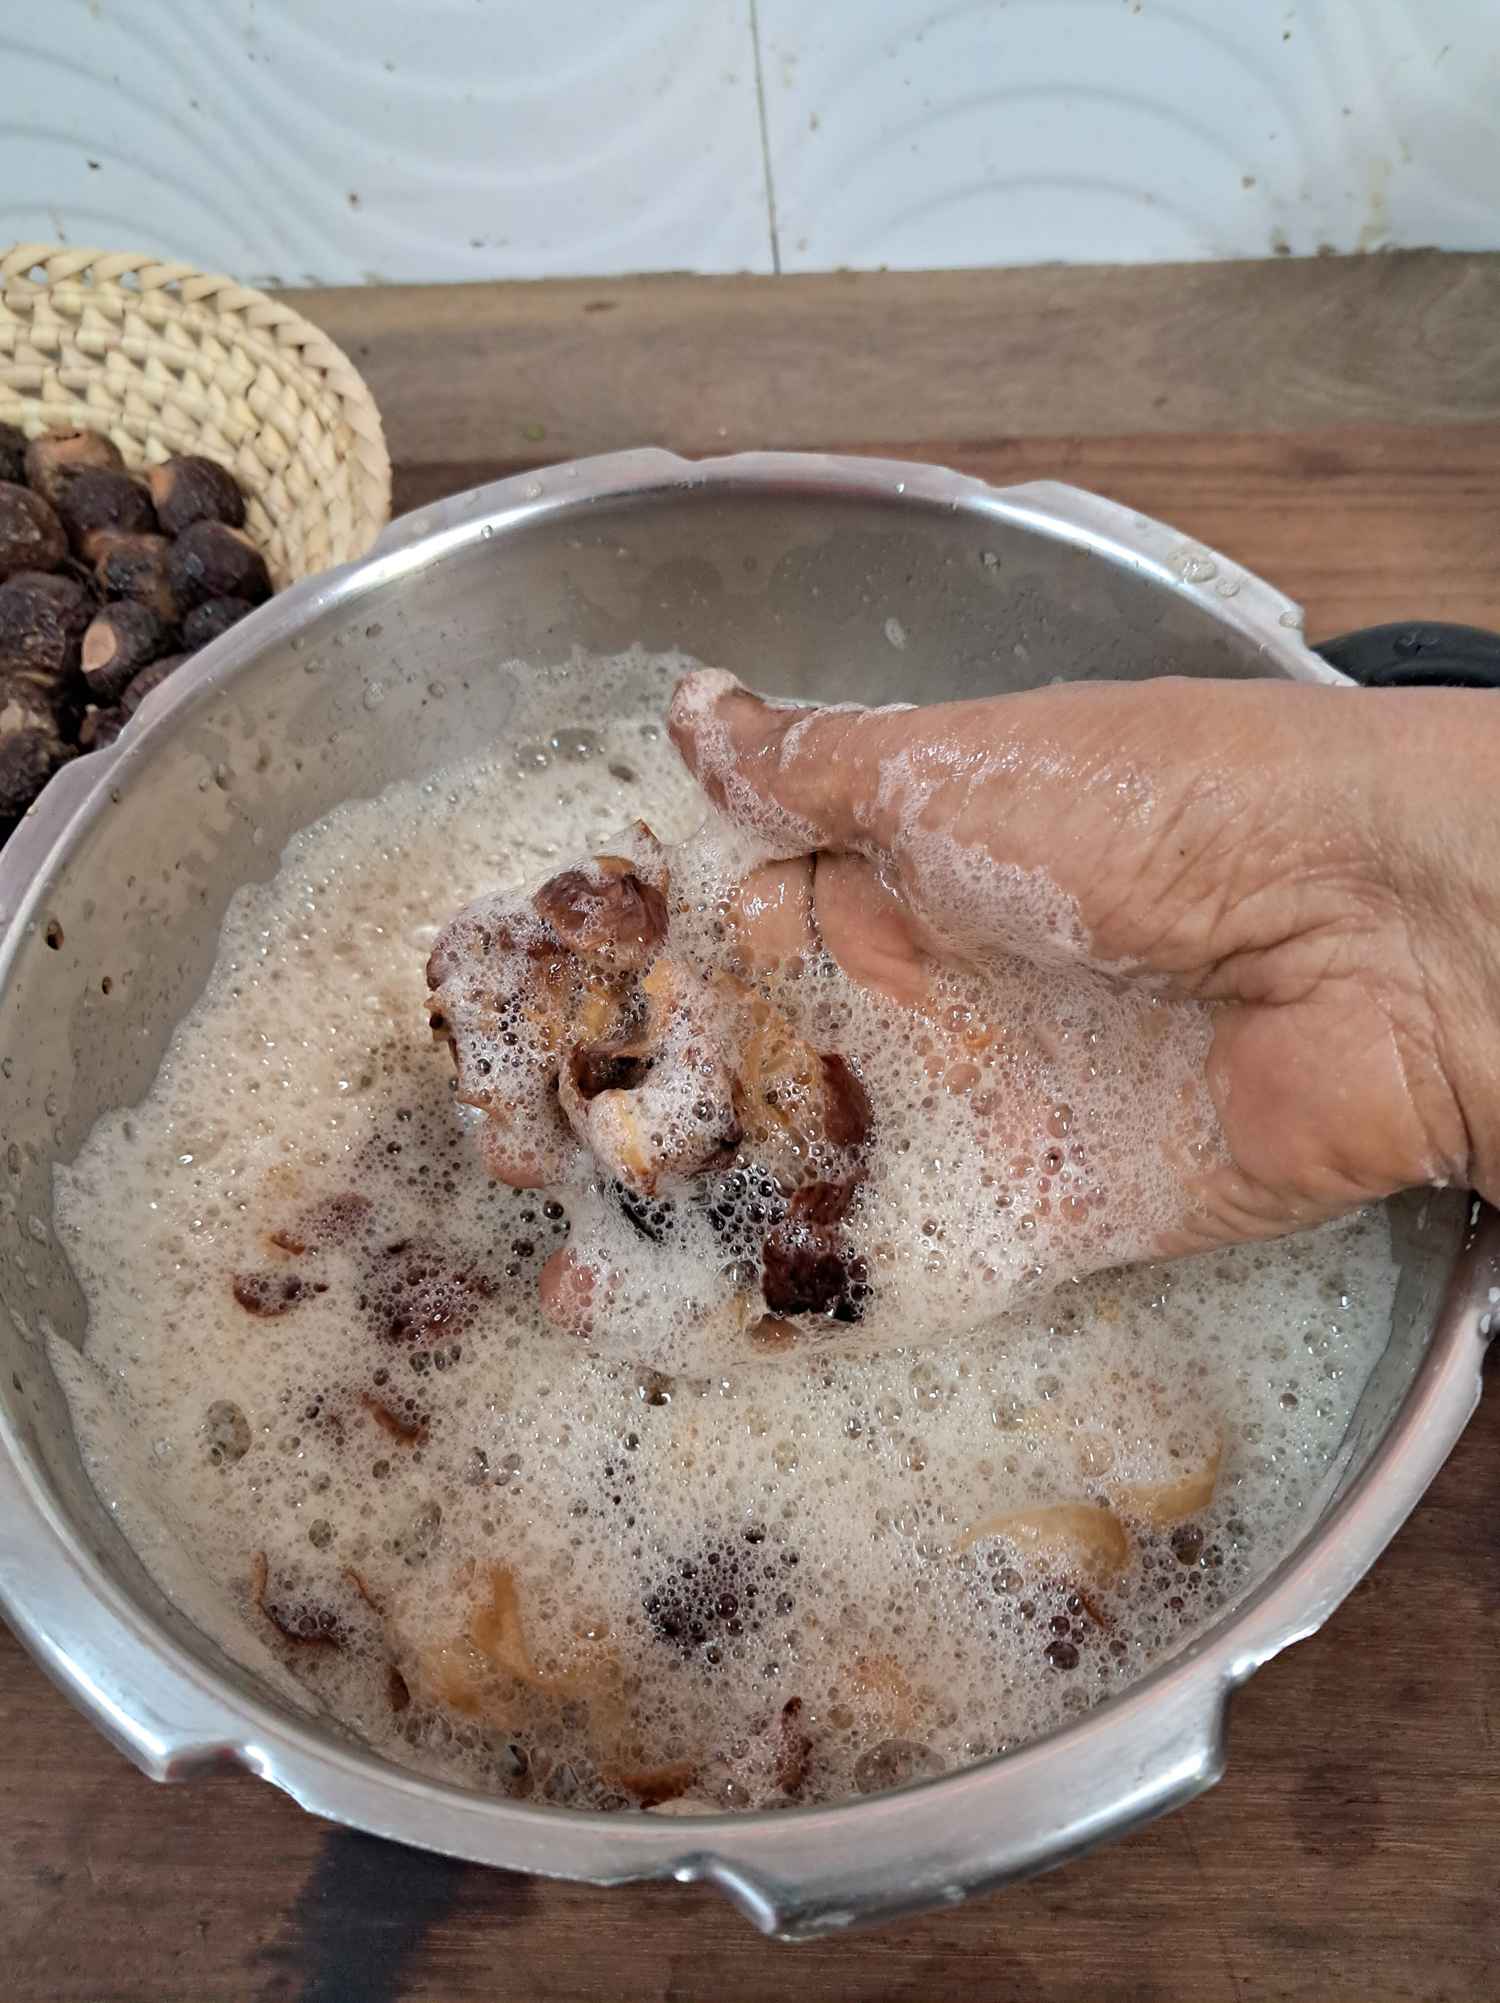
(606, 911)
(772, 1333)
(270, 1295)
(1078, 1539)
(339, 1219)
(135, 566)
(592, 1068)
(42, 622)
(191, 489)
(98, 499)
(486, 988)
(214, 616)
(618, 1122)
(12, 455)
(477, 933)
(808, 1266)
(619, 1125)
(820, 1205)
(482, 1670)
(1162, 1504)
(23, 707)
(211, 560)
(846, 1113)
(796, 1101)
(794, 1748)
(1159, 1505)
(417, 1290)
(149, 679)
(807, 1277)
(399, 1426)
(56, 457)
(304, 1623)
(31, 536)
(121, 640)
(882, 1687)
(30, 747)
(100, 727)
(652, 1786)
(28, 759)
(660, 1073)
(497, 973)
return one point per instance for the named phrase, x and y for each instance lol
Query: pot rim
(794, 1872)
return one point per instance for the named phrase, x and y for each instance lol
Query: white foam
(689, 1553)
(1035, 1121)
(693, 704)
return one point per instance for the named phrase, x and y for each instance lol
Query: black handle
(1417, 657)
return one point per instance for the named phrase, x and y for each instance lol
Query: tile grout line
(765, 138)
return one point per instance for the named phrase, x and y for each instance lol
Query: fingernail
(697, 695)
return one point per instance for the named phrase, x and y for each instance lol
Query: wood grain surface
(958, 358)
(1334, 425)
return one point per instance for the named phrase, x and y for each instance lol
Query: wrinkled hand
(1323, 864)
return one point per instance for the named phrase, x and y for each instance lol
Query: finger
(986, 775)
(870, 931)
(770, 914)
(797, 776)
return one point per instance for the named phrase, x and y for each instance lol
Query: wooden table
(1333, 424)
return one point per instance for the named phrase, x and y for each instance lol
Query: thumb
(797, 776)
(1044, 823)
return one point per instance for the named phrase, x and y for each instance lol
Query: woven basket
(166, 359)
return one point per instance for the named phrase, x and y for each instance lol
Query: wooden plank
(557, 369)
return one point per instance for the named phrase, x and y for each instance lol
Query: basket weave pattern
(167, 359)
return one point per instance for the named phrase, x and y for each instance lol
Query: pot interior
(411, 661)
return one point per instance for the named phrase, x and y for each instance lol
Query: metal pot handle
(1410, 656)
(939, 1843)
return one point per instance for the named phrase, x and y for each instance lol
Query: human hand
(1321, 864)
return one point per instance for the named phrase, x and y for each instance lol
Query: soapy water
(648, 1567)
(768, 1136)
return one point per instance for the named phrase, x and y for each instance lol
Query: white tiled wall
(333, 141)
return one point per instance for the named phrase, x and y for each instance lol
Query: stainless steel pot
(835, 577)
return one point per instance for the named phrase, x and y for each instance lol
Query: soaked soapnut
(580, 1037)
(606, 911)
(794, 1747)
(270, 1295)
(307, 1623)
(1077, 1539)
(415, 1291)
(227, 1431)
(894, 1763)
